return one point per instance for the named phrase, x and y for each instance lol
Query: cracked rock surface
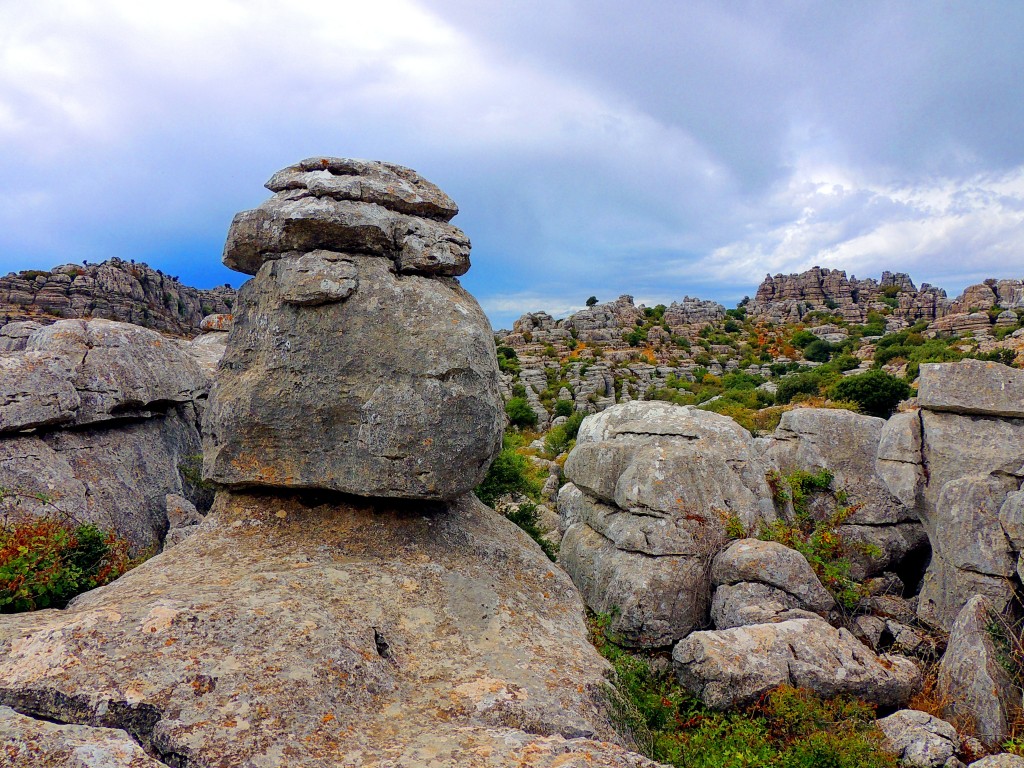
(322, 633)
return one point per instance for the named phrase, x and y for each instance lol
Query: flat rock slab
(286, 633)
(29, 743)
(972, 387)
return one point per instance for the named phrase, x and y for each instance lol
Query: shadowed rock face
(355, 363)
(291, 632)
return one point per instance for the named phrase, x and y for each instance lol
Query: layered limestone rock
(652, 487)
(920, 740)
(292, 632)
(960, 461)
(763, 581)
(787, 298)
(355, 361)
(846, 444)
(972, 679)
(734, 667)
(102, 420)
(315, 629)
(119, 290)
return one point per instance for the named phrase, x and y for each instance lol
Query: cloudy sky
(652, 148)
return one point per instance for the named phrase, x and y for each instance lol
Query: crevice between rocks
(137, 720)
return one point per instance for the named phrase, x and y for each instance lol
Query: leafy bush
(796, 384)
(508, 360)
(525, 516)
(819, 541)
(818, 351)
(46, 561)
(519, 413)
(592, 301)
(564, 407)
(510, 473)
(802, 338)
(876, 392)
(559, 439)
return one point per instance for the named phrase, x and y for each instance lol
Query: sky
(659, 149)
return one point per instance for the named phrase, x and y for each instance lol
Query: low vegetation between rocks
(787, 728)
(46, 561)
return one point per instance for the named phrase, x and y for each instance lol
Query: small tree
(592, 301)
(519, 413)
(876, 392)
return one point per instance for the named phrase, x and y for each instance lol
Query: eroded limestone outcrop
(958, 461)
(357, 363)
(298, 626)
(102, 418)
(652, 487)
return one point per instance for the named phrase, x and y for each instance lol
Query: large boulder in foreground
(355, 360)
(325, 634)
(653, 488)
(388, 387)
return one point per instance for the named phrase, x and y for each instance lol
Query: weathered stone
(734, 667)
(653, 487)
(846, 444)
(14, 336)
(392, 392)
(972, 387)
(737, 605)
(317, 636)
(652, 601)
(214, 323)
(919, 739)
(776, 565)
(78, 372)
(30, 743)
(970, 552)
(319, 277)
(291, 224)
(127, 292)
(898, 460)
(389, 185)
(1002, 760)
(971, 677)
(36, 390)
(116, 478)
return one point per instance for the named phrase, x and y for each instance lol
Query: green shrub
(876, 392)
(525, 516)
(46, 561)
(510, 473)
(802, 338)
(564, 407)
(818, 351)
(508, 360)
(519, 413)
(559, 439)
(797, 384)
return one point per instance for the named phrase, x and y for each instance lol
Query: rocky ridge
(115, 289)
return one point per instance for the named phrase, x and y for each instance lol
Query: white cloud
(940, 228)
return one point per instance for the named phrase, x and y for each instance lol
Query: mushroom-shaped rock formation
(355, 361)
